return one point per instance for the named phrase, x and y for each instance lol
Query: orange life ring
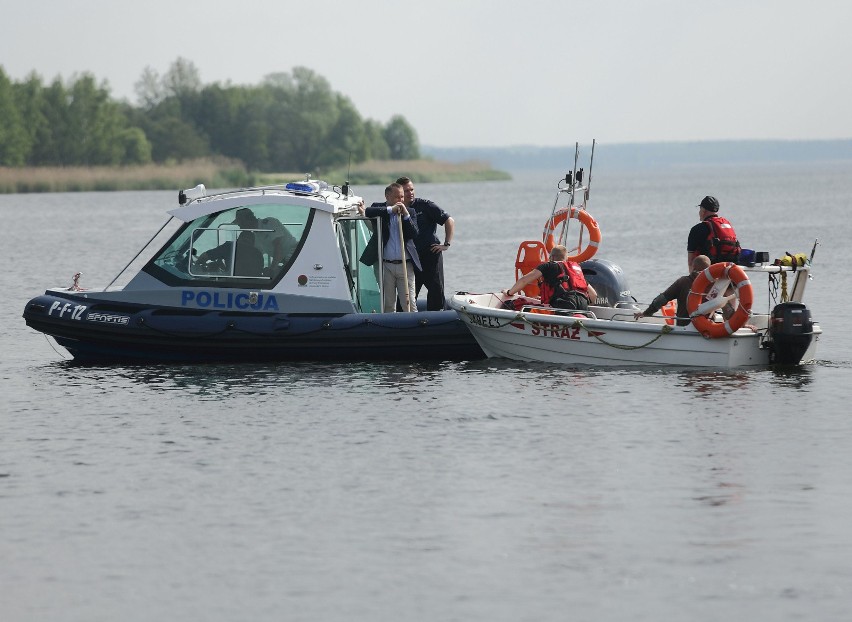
(739, 280)
(531, 254)
(585, 219)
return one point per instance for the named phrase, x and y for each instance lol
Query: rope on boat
(521, 317)
(50, 343)
(666, 329)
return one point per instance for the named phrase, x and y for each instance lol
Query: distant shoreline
(651, 154)
(223, 173)
(440, 164)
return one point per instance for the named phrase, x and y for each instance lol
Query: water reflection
(212, 381)
(708, 384)
(796, 377)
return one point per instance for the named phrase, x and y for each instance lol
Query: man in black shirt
(429, 248)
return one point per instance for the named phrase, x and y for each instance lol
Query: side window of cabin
(256, 243)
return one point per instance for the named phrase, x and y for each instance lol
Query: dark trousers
(432, 277)
(571, 300)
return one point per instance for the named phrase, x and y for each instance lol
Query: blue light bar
(302, 187)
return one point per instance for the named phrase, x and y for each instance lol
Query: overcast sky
(484, 72)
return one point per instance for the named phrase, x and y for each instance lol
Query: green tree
(218, 113)
(94, 124)
(173, 138)
(377, 146)
(14, 140)
(149, 89)
(251, 139)
(135, 146)
(311, 115)
(182, 79)
(30, 100)
(50, 150)
(401, 139)
(347, 137)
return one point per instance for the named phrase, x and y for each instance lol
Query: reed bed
(224, 173)
(214, 173)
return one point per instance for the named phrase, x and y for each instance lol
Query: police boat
(726, 328)
(259, 274)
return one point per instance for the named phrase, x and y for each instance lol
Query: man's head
(245, 219)
(394, 194)
(700, 262)
(558, 253)
(408, 190)
(709, 204)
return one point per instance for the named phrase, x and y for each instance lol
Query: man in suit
(397, 268)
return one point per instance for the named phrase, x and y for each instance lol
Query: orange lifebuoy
(531, 254)
(739, 280)
(585, 219)
(669, 311)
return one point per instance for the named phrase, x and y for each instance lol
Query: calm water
(468, 491)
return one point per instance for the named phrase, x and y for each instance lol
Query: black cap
(710, 204)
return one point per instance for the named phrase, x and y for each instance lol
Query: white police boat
(259, 274)
(726, 327)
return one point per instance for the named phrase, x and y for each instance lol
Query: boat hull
(580, 340)
(126, 332)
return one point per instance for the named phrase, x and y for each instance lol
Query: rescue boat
(727, 329)
(297, 292)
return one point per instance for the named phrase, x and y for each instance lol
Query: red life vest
(570, 279)
(721, 243)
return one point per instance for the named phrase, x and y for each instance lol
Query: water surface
(487, 490)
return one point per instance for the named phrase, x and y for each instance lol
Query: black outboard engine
(790, 333)
(609, 283)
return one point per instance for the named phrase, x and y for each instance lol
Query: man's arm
(591, 293)
(528, 278)
(409, 222)
(449, 232)
(695, 243)
(670, 293)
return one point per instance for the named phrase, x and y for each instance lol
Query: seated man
(248, 260)
(272, 237)
(679, 290)
(562, 283)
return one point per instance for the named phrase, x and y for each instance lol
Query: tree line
(291, 121)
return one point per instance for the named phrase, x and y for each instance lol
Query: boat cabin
(290, 249)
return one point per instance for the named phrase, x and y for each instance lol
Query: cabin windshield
(254, 244)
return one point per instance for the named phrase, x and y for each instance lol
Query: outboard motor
(790, 333)
(609, 283)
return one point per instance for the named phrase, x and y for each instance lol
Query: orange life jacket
(721, 244)
(571, 278)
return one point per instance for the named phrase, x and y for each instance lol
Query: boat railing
(321, 194)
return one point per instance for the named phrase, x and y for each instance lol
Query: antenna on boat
(348, 171)
(591, 162)
(574, 184)
(813, 250)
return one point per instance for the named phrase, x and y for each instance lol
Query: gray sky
(484, 72)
